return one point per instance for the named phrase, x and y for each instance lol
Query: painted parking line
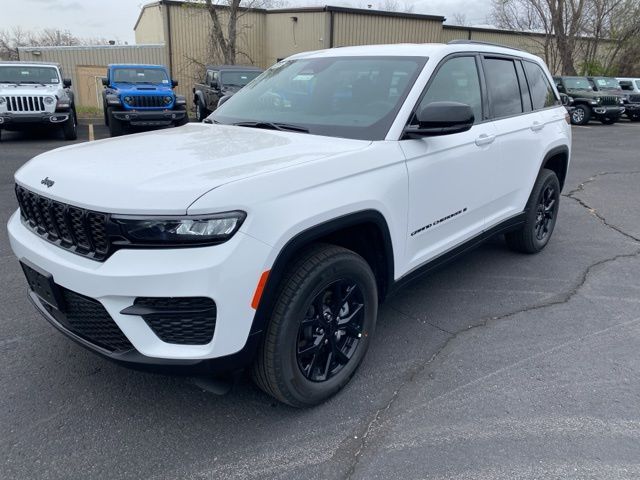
(91, 136)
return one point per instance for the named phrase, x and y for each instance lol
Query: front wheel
(70, 127)
(201, 111)
(322, 324)
(185, 119)
(541, 213)
(116, 128)
(580, 115)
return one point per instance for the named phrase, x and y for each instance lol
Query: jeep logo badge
(46, 181)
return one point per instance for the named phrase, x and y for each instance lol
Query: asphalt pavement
(499, 366)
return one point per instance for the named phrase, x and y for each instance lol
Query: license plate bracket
(41, 283)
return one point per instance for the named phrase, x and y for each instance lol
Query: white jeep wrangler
(34, 93)
(267, 236)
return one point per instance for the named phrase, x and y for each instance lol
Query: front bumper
(16, 119)
(632, 109)
(227, 273)
(610, 112)
(150, 118)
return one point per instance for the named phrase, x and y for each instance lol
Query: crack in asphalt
(412, 372)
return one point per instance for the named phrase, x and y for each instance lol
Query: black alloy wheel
(545, 213)
(331, 331)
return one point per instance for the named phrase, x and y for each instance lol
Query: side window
(524, 88)
(542, 94)
(209, 77)
(457, 80)
(504, 90)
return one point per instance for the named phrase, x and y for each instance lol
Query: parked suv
(589, 104)
(268, 237)
(220, 82)
(35, 93)
(141, 96)
(631, 90)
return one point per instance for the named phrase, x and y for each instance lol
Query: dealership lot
(498, 366)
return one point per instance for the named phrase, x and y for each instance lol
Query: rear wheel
(70, 127)
(580, 115)
(322, 323)
(116, 127)
(540, 217)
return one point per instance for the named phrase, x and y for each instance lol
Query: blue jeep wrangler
(141, 95)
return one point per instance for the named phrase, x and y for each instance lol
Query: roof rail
(478, 42)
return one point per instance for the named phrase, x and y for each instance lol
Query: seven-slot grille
(147, 101)
(76, 229)
(23, 103)
(610, 100)
(634, 98)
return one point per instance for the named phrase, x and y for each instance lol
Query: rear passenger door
(520, 130)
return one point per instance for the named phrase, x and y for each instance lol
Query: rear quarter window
(542, 94)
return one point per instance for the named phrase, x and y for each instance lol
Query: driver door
(449, 174)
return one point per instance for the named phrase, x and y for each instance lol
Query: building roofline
(360, 11)
(144, 7)
(491, 30)
(90, 47)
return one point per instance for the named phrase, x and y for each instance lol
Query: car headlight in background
(168, 100)
(49, 100)
(128, 100)
(167, 231)
(2, 101)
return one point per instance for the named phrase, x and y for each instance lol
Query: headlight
(113, 100)
(128, 100)
(2, 101)
(597, 99)
(203, 230)
(181, 100)
(49, 100)
(168, 100)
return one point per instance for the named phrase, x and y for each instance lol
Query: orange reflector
(259, 289)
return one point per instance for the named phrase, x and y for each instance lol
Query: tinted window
(140, 75)
(456, 81)
(24, 74)
(237, 79)
(502, 82)
(352, 97)
(542, 94)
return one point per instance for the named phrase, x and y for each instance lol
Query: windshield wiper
(273, 126)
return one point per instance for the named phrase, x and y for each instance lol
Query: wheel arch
(557, 159)
(365, 232)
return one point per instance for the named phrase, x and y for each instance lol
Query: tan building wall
(364, 29)
(149, 28)
(286, 36)
(72, 59)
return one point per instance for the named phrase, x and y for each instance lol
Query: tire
(527, 239)
(116, 127)
(580, 115)
(608, 121)
(70, 127)
(106, 116)
(307, 354)
(201, 111)
(185, 120)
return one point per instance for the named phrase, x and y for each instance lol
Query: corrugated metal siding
(191, 40)
(286, 37)
(72, 57)
(150, 28)
(362, 29)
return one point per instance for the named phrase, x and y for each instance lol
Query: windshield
(577, 83)
(24, 74)
(607, 83)
(237, 79)
(638, 84)
(350, 97)
(140, 75)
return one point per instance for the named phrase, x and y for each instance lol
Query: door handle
(537, 126)
(485, 139)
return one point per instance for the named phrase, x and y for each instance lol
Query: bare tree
(460, 18)
(11, 40)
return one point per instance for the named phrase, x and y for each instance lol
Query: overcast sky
(114, 19)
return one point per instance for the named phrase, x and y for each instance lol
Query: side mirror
(105, 81)
(441, 118)
(566, 99)
(66, 82)
(223, 100)
(174, 83)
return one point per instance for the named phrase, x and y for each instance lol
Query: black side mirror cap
(441, 118)
(174, 83)
(105, 81)
(66, 82)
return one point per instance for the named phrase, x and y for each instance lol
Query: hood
(165, 171)
(28, 89)
(579, 93)
(141, 89)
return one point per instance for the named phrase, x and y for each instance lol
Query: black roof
(234, 67)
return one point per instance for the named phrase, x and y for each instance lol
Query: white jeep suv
(268, 236)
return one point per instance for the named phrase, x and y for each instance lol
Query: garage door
(89, 88)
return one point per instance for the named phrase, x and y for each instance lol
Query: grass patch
(88, 112)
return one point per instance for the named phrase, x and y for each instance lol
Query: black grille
(75, 229)
(147, 101)
(634, 98)
(179, 320)
(610, 100)
(88, 319)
